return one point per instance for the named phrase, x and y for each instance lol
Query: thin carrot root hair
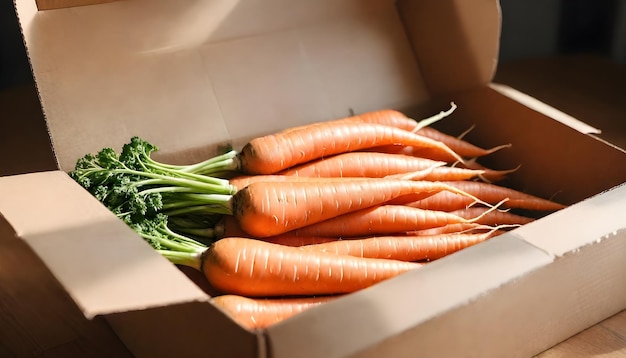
(418, 174)
(436, 118)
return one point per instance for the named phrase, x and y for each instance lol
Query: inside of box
(555, 160)
(189, 75)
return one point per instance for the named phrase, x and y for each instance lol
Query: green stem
(200, 209)
(191, 259)
(208, 232)
(229, 157)
(157, 179)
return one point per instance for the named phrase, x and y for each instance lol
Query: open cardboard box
(189, 76)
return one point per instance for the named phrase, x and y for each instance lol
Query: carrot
(265, 209)
(253, 313)
(458, 145)
(289, 239)
(486, 192)
(428, 153)
(274, 153)
(379, 165)
(362, 164)
(381, 220)
(445, 173)
(242, 181)
(397, 119)
(450, 229)
(255, 268)
(403, 248)
(493, 217)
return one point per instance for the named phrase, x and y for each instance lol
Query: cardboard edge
(450, 283)
(575, 224)
(193, 329)
(544, 108)
(25, 12)
(105, 266)
(61, 4)
(537, 306)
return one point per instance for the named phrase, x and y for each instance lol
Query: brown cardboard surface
(527, 315)
(463, 54)
(162, 70)
(38, 318)
(97, 258)
(550, 153)
(60, 4)
(189, 76)
(588, 87)
(393, 307)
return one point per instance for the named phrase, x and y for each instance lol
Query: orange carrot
(379, 165)
(381, 220)
(397, 119)
(403, 248)
(486, 192)
(255, 268)
(362, 164)
(444, 173)
(451, 229)
(387, 117)
(253, 313)
(242, 181)
(289, 239)
(274, 153)
(265, 209)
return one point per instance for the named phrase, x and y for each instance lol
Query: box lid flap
(104, 266)
(186, 75)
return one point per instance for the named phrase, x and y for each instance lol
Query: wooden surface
(606, 339)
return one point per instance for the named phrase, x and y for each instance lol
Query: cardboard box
(190, 75)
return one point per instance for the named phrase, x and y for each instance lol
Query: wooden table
(605, 339)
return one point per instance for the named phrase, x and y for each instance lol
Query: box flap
(456, 42)
(584, 223)
(440, 286)
(104, 266)
(188, 76)
(544, 108)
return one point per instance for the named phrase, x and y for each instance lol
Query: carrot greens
(146, 194)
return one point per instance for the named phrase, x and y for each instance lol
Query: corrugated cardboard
(188, 76)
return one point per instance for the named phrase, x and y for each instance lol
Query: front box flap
(38, 317)
(104, 266)
(367, 318)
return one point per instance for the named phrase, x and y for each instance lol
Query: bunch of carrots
(299, 217)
